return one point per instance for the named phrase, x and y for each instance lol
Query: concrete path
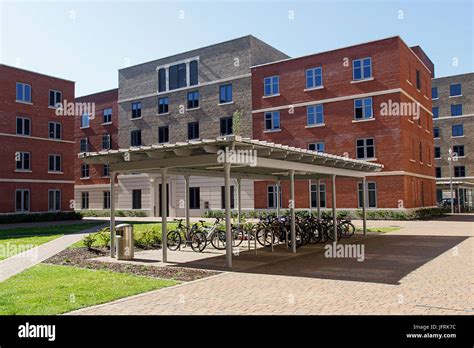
(24, 260)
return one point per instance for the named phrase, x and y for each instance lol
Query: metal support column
(228, 227)
(186, 199)
(334, 216)
(278, 203)
(113, 175)
(318, 197)
(292, 211)
(364, 205)
(458, 197)
(164, 244)
(239, 201)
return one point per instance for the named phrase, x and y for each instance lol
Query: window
(55, 98)
(23, 161)
(418, 80)
(322, 195)
(232, 197)
(455, 90)
(363, 108)
(193, 73)
(271, 85)
(136, 138)
(106, 142)
(272, 196)
(84, 200)
(54, 163)
(420, 150)
(456, 109)
(136, 199)
(434, 93)
(163, 134)
(314, 115)
(23, 126)
(23, 92)
(272, 120)
(106, 170)
(459, 149)
(162, 80)
(365, 148)
(435, 112)
(54, 130)
(84, 170)
(163, 105)
(314, 77)
(22, 200)
(107, 116)
(319, 146)
(85, 121)
(361, 69)
(457, 130)
(438, 172)
(136, 110)
(225, 94)
(435, 132)
(193, 100)
(106, 199)
(193, 130)
(437, 152)
(194, 198)
(84, 145)
(226, 125)
(54, 200)
(371, 193)
(459, 171)
(177, 76)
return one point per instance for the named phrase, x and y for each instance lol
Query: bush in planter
(103, 237)
(148, 238)
(89, 240)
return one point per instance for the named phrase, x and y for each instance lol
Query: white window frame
(56, 92)
(84, 117)
(365, 149)
(456, 95)
(316, 143)
(271, 84)
(85, 168)
(55, 135)
(318, 110)
(109, 141)
(367, 200)
(55, 170)
(106, 175)
(84, 198)
(311, 191)
(363, 77)
(23, 88)
(364, 108)
(272, 117)
(23, 126)
(314, 73)
(22, 160)
(106, 198)
(274, 193)
(107, 115)
(23, 200)
(55, 202)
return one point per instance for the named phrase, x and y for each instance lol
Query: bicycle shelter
(231, 157)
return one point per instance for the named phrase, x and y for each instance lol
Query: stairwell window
(84, 145)
(362, 69)
(106, 142)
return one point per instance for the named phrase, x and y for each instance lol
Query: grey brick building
(453, 122)
(191, 95)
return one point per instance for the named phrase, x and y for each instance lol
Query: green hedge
(119, 213)
(39, 217)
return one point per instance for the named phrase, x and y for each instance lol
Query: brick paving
(425, 268)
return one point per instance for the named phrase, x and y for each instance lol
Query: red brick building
(95, 133)
(360, 101)
(36, 144)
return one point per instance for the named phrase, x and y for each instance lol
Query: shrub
(118, 213)
(146, 239)
(39, 217)
(89, 240)
(103, 237)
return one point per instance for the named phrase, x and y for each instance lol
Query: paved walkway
(425, 268)
(24, 260)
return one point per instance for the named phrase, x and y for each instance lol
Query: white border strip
(401, 172)
(36, 138)
(38, 181)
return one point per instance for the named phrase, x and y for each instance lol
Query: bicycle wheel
(330, 232)
(218, 240)
(173, 240)
(197, 241)
(347, 229)
(299, 239)
(237, 236)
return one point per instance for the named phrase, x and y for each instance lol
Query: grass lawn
(51, 289)
(20, 239)
(380, 229)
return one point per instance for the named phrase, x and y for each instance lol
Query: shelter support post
(228, 229)
(164, 244)
(186, 199)
(364, 205)
(113, 175)
(318, 197)
(239, 202)
(292, 211)
(334, 216)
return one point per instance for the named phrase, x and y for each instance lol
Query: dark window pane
(193, 67)
(161, 80)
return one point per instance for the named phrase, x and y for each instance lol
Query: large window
(55, 98)
(85, 120)
(177, 76)
(318, 146)
(314, 77)
(163, 134)
(54, 163)
(232, 197)
(106, 200)
(193, 130)
(225, 94)
(272, 196)
(322, 195)
(163, 105)
(272, 120)
(54, 200)
(271, 85)
(459, 171)
(84, 200)
(136, 138)
(54, 130)
(457, 130)
(459, 150)
(22, 200)
(84, 145)
(226, 125)
(314, 115)
(106, 142)
(136, 110)
(371, 194)
(456, 109)
(193, 100)
(136, 199)
(84, 171)
(365, 148)
(23, 126)
(363, 108)
(23, 92)
(361, 69)
(434, 93)
(23, 161)
(194, 198)
(455, 90)
(107, 116)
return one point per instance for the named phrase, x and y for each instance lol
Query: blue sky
(88, 41)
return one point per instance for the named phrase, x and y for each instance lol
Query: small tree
(237, 122)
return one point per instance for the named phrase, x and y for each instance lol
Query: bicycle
(192, 236)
